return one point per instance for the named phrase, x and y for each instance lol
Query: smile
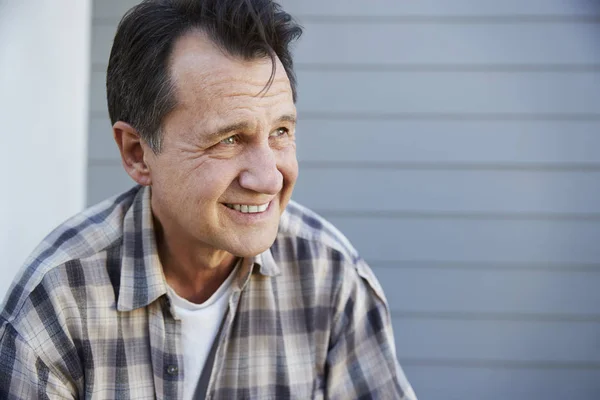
(248, 209)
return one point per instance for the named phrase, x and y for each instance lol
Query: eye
(229, 140)
(280, 132)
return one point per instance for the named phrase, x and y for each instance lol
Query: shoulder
(301, 223)
(306, 236)
(54, 264)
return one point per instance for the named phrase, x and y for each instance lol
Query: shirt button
(172, 370)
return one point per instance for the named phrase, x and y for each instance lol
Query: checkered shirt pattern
(89, 317)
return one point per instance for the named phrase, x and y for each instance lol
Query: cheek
(288, 164)
(212, 180)
(179, 185)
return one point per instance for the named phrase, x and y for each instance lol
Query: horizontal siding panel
(112, 9)
(460, 191)
(105, 181)
(102, 38)
(98, 93)
(435, 92)
(497, 340)
(101, 145)
(448, 92)
(455, 239)
(448, 141)
(437, 7)
(487, 142)
(472, 240)
(491, 291)
(499, 383)
(462, 44)
(116, 8)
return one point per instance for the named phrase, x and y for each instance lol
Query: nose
(261, 173)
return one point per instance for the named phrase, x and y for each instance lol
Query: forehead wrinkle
(208, 94)
(254, 88)
(268, 94)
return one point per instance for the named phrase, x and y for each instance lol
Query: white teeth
(249, 209)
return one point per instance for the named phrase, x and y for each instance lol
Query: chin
(251, 248)
(252, 251)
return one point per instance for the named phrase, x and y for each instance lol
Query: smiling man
(205, 280)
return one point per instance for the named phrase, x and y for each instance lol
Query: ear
(132, 152)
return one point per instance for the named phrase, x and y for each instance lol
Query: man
(204, 280)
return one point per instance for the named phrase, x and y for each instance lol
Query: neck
(194, 272)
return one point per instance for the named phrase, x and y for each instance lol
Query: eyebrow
(241, 126)
(291, 118)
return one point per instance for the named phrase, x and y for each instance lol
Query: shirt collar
(142, 277)
(267, 264)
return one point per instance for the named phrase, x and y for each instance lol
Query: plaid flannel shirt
(89, 317)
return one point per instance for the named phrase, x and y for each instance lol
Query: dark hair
(138, 85)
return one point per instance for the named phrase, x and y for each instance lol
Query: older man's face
(228, 161)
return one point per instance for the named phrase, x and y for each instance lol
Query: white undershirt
(200, 324)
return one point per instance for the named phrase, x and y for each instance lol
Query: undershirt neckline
(181, 303)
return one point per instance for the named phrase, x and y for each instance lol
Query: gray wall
(456, 143)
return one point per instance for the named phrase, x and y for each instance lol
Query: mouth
(248, 208)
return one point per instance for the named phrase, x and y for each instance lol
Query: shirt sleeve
(23, 375)
(361, 361)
